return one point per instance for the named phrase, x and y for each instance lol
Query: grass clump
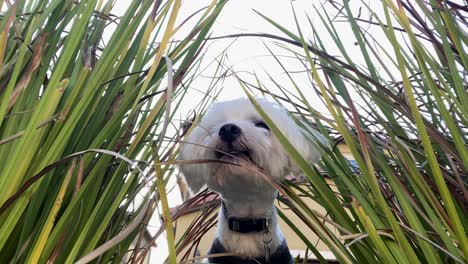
(84, 108)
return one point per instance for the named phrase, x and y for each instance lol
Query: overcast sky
(248, 55)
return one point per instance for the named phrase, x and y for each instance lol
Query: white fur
(243, 191)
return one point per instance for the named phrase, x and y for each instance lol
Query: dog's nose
(229, 132)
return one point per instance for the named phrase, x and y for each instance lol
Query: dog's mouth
(236, 160)
(231, 155)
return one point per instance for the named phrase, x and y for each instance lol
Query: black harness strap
(249, 225)
(280, 256)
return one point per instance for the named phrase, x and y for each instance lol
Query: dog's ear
(191, 150)
(307, 144)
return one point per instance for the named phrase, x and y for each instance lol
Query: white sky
(248, 54)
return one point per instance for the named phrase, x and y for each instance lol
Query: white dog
(233, 133)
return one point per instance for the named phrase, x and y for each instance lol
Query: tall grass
(403, 115)
(84, 112)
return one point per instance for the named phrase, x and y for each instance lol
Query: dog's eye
(262, 125)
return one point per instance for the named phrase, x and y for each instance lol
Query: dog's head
(234, 133)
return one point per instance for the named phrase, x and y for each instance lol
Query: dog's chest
(280, 256)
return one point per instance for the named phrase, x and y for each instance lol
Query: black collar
(245, 225)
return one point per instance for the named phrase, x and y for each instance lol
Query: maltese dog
(239, 152)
